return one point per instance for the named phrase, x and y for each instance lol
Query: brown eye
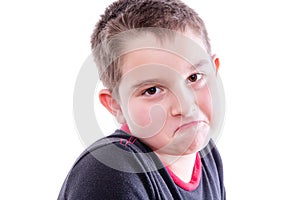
(151, 91)
(194, 77)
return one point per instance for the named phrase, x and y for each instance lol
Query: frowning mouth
(191, 124)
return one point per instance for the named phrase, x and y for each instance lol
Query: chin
(197, 146)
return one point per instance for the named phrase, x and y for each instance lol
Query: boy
(154, 58)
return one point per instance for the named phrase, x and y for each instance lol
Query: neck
(182, 166)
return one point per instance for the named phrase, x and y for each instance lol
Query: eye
(195, 77)
(151, 91)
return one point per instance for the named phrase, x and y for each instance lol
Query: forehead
(158, 60)
(184, 50)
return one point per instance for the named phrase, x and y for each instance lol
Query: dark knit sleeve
(106, 173)
(213, 165)
(219, 165)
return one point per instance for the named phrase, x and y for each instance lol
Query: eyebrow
(145, 82)
(198, 64)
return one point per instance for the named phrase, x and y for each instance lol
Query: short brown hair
(126, 15)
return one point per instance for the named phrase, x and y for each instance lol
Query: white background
(43, 45)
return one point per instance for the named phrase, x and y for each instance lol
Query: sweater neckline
(196, 175)
(195, 179)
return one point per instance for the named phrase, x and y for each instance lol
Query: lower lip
(192, 124)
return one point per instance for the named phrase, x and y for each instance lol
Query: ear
(111, 104)
(216, 62)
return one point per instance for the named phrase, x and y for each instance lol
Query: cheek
(204, 101)
(145, 120)
(138, 114)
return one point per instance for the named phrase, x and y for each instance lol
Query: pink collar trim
(196, 176)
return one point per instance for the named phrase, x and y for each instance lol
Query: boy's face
(165, 96)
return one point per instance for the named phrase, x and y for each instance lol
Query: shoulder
(211, 152)
(212, 169)
(109, 168)
(211, 159)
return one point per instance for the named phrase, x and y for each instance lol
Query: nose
(183, 101)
